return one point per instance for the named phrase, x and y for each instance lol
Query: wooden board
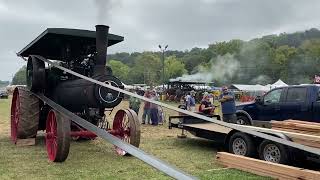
(210, 127)
(265, 168)
(302, 122)
(300, 126)
(26, 142)
(290, 134)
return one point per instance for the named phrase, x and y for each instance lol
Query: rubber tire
(251, 150)
(63, 136)
(36, 83)
(285, 154)
(244, 118)
(28, 115)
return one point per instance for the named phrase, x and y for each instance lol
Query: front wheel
(243, 120)
(126, 126)
(273, 152)
(57, 136)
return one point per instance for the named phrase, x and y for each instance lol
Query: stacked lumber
(302, 127)
(297, 126)
(264, 168)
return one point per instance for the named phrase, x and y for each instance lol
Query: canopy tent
(249, 88)
(279, 83)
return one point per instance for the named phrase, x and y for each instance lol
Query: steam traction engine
(84, 52)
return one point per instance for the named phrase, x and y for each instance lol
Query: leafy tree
(20, 77)
(4, 83)
(194, 58)
(281, 59)
(120, 70)
(147, 66)
(173, 68)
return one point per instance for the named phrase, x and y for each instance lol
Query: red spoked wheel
(25, 112)
(15, 115)
(126, 126)
(57, 136)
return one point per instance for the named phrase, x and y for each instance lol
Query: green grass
(96, 159)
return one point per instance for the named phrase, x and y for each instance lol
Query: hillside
(293, 57)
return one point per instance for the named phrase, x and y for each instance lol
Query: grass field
(96, 159)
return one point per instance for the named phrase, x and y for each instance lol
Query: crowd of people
(152, 113)
(207, 106)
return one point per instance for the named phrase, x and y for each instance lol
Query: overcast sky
(182, 24)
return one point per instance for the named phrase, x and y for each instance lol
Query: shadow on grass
(198, 142)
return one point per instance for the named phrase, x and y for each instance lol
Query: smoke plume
(261, 79)
(221, 68)
(104, 8)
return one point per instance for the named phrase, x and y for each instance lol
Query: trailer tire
(242, 144)
(274, 152)
(25, 113)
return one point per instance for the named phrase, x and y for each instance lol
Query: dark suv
(291, 102)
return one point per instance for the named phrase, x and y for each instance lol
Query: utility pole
(163, 50)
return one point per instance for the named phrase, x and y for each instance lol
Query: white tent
(279, 83)
(249, 88)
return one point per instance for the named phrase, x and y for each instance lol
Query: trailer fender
(227, 138)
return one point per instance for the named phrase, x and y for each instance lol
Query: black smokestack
(101, 46)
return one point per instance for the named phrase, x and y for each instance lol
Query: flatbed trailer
(241, 143)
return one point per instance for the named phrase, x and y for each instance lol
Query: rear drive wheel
(57, 136)
(25, 112)
(126, 126)
(242, 144)
(35, 74)
(273, 152)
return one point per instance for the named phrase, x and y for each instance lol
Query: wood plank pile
(310, 129)
(297, 126)
(264, 168)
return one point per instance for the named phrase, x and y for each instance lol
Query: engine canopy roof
(58, 43)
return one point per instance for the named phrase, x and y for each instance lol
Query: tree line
(292, 57)
(4, 83)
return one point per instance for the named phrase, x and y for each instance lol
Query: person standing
(146, 109)
(154, 110)
(134, 103)
(191, 101)
(228, 106)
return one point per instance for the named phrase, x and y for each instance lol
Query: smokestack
(101, 47)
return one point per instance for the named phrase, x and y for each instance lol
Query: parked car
(3, 94)
(291, 102)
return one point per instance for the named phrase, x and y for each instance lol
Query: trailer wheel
(126, 126)
(241, 144)
(273, 152)
(35, 74)
(57, 136)
(25, 112)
